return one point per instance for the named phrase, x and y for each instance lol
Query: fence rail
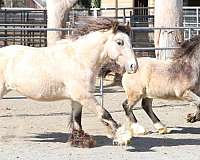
(134, 29)
(12, 19)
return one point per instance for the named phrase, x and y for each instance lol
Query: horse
(176, 78)
(67, 70)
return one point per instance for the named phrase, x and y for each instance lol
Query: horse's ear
(127, 24)
(115, 26)
(128, 27)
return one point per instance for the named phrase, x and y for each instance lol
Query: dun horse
(68, 69)
(178, 78)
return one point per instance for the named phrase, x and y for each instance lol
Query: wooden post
(168, 14)
(55, 13)
(116, 8)
(151, 4)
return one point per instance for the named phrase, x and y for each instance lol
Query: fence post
(189, 33)
(5, 21)
(124, 15)
(95, 12)
(101, 89)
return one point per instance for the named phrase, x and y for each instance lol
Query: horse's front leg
(135, 126)
(147, 106)
(78, 137)
(192, 97)
(120, 136)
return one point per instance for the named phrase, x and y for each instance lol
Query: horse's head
(113, 36)
(119, 48)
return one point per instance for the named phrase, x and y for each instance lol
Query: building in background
(35, 3)
(23, 4)
(140, 3)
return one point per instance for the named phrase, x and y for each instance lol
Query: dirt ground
(31, 130)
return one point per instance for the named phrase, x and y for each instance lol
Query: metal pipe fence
(22, 18)
(137, 16)
(133, 29)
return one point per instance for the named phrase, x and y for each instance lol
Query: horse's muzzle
(131, 67)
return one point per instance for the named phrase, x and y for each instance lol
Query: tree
(168, 14)
(96, 3)
(1, 3)
(85, 3)
(14, 3)
(55, 11)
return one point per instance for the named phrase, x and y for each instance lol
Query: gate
(23, 18)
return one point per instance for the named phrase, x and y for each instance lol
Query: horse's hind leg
(136, 127)
(147, 106)
(192, 97)
(3, 89)
(78, 137)
(194, 117)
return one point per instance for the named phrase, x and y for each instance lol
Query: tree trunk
(168, 14)
(56, 11)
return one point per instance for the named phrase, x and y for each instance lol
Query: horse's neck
(90, 49)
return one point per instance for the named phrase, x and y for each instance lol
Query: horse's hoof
(164, 130)
(122, 136)
(138, 129)
(110, 133)
(161, 128)
(81, 139)
(191, 118)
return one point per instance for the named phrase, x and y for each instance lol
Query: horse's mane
(187, 48)
(181, 60)
(88, 24)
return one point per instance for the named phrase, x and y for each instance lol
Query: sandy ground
(31, 130)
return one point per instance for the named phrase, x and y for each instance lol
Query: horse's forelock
(125, 29)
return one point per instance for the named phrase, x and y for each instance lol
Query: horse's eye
(120, 42)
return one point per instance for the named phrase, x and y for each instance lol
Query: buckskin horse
(178, 78)
(68, 70)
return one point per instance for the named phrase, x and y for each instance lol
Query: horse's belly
(49, 94)
(41, 90)
(160, 86)
(164, 92)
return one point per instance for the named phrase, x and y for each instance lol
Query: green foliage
(85, 3)
(96, 3)
(90, 3)
(14, 3)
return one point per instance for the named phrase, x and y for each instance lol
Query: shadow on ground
(186, 130)
(63, 138)
(146, 144)
(138, 144)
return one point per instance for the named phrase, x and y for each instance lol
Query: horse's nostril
(131, 66)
